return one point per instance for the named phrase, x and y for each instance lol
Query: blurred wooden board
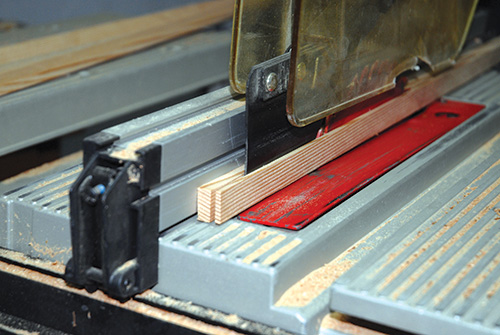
(32, 62)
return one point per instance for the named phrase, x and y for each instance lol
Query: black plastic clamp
(114, 225)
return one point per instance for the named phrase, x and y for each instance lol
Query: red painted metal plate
(299, 204)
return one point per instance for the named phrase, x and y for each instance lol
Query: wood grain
(35, 61)
(206, 194)
(242, 192)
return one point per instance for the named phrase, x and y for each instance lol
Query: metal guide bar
(143, 125)
(218, 133)
(178, 197)
(186, 136)
(193, 250)
(141, 177)
(42, 207)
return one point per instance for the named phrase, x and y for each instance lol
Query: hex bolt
(271, 82)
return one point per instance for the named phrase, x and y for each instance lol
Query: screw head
(271, 82)
(128, 284)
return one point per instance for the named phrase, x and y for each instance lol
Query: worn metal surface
(347, 51)
(116, 88)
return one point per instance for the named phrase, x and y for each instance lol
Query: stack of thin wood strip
(34, 61)
(227, 196)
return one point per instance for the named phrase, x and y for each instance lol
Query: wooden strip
(206, 194)
(32, 62)
(247, 190)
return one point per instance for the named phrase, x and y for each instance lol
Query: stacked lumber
(35, 61)
(226, 197)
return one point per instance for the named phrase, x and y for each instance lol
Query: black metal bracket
(269, 133)
(115, 225)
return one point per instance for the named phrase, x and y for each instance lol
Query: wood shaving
(340, 323)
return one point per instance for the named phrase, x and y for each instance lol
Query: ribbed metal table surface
(435, 268)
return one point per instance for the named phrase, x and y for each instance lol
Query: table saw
(108, 241)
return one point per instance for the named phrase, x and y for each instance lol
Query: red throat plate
(300, 203)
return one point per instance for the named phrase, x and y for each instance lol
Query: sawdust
(460, 276)
(134, 174)
(45, 250)
(247, 231)
(61, 194)
(60, 177)
(497, 212)
(129, 153)
(265, 233)
(493, 290)
(468, 193)
(11, 330)
(9, 25)
(21, 258)
(446, 227)
(217, 236)
(488, 147)
(340, 323)
(444, 248)
(245, 246)
(44, 168)
(189, 307)
(311, 286)
(264, 248)
(262, 235)
(132, 305)
(58, 187)
(281, 252)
